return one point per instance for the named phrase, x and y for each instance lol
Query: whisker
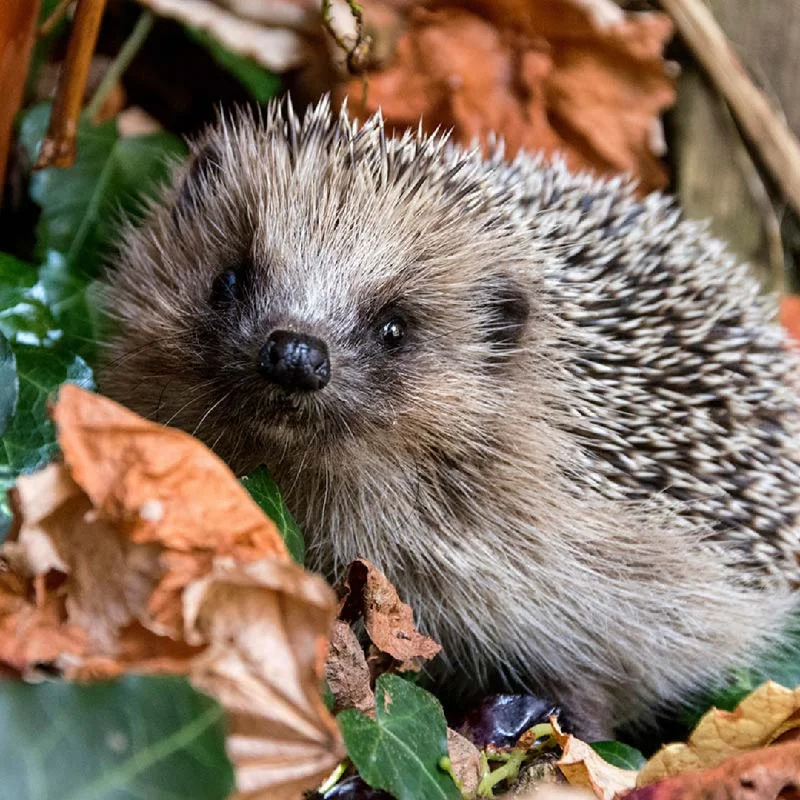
(214, 405)
(191, 402)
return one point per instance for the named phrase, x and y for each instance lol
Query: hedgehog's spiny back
(688, 383)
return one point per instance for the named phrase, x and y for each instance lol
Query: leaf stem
(446, 765)
(122, 61)
(508, 772)
(333, 778)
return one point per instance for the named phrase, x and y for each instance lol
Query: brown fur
(579, 467)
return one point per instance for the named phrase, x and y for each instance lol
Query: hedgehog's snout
(295, 361)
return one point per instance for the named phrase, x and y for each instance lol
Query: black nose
(295, 361)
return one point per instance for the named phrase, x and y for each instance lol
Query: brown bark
(17, 36)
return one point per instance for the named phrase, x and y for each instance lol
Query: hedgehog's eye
(227, 288)
(393, 331)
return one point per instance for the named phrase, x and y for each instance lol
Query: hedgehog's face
(283, 310)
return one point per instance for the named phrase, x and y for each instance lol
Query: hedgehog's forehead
(332, 179)
(337, 262)
(321, 211)
(341, 213)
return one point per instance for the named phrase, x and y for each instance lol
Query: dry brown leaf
(347, 672)
(575, 76)
(583, 767)
(389, 621)
(770, 773)
(33, 630)
(108, 579)
(260, 30)
(758, 720)
(552, 792)
(161, 487)
(266, 624)
(465, 760)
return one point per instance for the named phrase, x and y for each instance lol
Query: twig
(55, 17)
(122, 61)
(17, 35)
(769, 134)
(358, 53)
(58, 147)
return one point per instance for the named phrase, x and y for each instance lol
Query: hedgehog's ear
(507, 310)
(203, 165)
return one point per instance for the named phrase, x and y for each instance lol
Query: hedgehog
(560, 418)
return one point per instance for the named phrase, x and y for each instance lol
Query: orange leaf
(163, 487)
(388, 620)
(789, 315)
(266, 624)
(759, 719)
(584, 768)
(771, 773)
(578, 77)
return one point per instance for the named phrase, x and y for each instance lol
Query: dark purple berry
(355, 789)
(501, 719)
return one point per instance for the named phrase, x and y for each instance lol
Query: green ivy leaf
(399, 751)
(81, 210)
(81, 206)
(17, 278)
(261, 83)
(265, 492)
(30, 441)
(619, 754)
(131, 738)
(42, 361)
(49, 315)
(9, 384)
(38, 361)
(24, 315)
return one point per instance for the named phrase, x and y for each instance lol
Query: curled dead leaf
(32, 625)
(142, 552)
(365, 591)
(107, 578)
(347, 671)
(465, 760)
(553, 792)
(159, 486)
(583, 767)
(579, 77)
(758, 720)
(266, 625)
(770, 773)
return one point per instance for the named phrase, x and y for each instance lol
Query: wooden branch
(58, 147)
(761, 122)
(17, 35)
